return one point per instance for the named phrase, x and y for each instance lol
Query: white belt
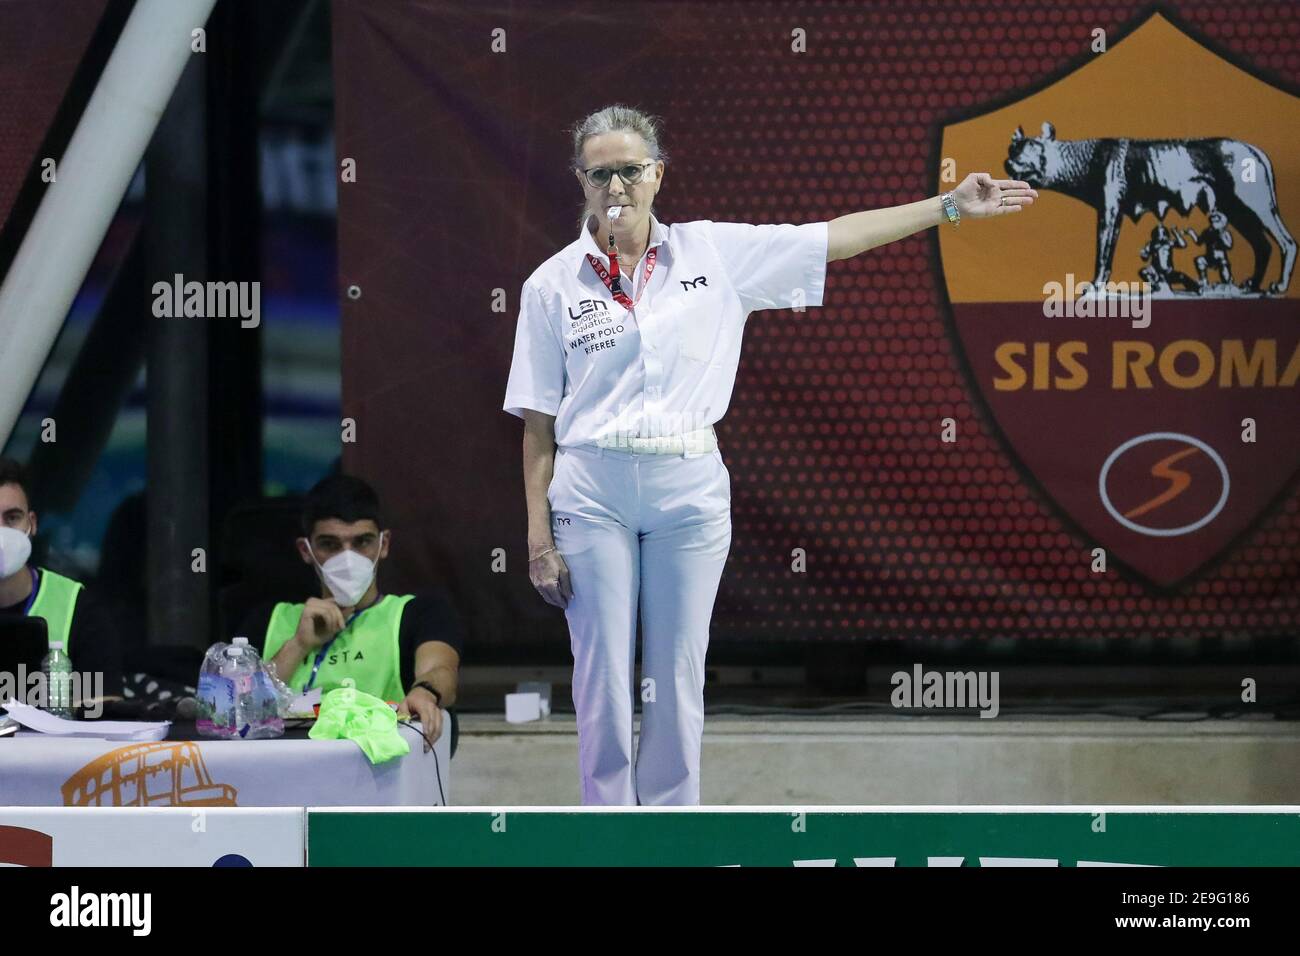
(698, 442)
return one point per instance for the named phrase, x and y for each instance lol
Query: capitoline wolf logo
(1136, 335)
(1128, 177)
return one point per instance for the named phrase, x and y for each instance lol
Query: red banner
(41, 44)
(935, 452)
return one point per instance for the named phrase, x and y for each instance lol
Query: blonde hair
(618, 119)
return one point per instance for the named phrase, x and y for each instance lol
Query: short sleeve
(774, 266)
(537, 369)
(428, 617)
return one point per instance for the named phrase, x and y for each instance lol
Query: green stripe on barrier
(777, 838)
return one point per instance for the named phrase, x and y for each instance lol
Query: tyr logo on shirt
(688, 284)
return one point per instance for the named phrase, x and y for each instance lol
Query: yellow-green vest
(368, 650)
(56, 601)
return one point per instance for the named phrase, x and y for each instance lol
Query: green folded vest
(366, 653)
(56, 601)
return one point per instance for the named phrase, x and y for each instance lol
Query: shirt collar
(588, 244)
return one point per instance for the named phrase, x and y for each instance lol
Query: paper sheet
(131, 730)
(304, 705)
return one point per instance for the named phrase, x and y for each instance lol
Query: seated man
(397, 647)
(71, 616)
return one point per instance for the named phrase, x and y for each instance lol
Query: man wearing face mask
(71, 617)
(400, 648)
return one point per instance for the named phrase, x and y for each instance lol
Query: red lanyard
(612, 279)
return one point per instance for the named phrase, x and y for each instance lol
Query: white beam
(92, 177)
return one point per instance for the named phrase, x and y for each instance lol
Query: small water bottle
(56, 667)
(239, 671)
(216, 695)
(259, 715)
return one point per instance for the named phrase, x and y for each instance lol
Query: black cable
(298, 723)
(437, 765)
(1133, 708)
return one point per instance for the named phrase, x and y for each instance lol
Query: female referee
(625, 356)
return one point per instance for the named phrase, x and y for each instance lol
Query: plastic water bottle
(236, 698)
(255, 707)
(56, 667)
(259, 709)
(216, 695)
(236, 670)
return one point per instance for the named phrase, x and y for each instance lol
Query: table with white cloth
(291, 771)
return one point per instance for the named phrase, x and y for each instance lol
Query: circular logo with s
(1181, 482)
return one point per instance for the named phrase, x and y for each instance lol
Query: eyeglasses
(598, 177)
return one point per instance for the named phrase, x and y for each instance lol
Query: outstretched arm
(977, 196)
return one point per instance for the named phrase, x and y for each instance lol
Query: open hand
(979, 195)
(420, 703)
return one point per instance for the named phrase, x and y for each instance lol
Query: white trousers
(649, 532)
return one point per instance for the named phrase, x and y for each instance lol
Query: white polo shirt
(668, 366)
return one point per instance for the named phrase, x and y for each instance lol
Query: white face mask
(15, 549)
(348, 574)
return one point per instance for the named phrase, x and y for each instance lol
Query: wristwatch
(950, 208)
(430, 688)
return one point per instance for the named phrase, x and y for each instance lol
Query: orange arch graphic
(148, 775)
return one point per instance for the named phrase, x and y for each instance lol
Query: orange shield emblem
(1136, 337)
